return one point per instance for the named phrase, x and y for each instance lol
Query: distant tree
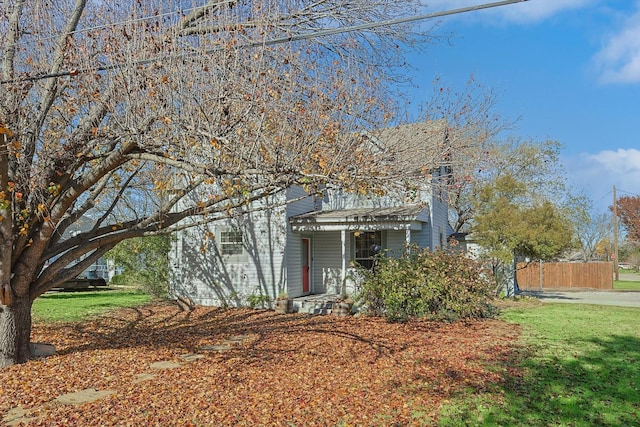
(511, 221)
(634, 260)
(145, 263)
(604, 249)
(481, 162)
(629, 214)
(629, 252)
(590, 231)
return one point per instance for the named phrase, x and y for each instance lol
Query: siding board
(327, 262)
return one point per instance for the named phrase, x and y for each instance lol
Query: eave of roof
(395, 218)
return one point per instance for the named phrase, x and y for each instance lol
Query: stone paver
(84, 396)
(238, 339)
(39, 349)
(216, 347)
(143, 377)
(191, 357)
(17, 416)
(165, 365)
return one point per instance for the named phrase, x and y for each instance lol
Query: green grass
(581, 368)
(626, 285)
(76, 306)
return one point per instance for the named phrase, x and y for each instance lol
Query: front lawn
(541, 365)
(157, 365)
(626, 285)
(79, 305)
(581, 367)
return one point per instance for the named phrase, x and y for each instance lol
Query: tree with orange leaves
(105, 106)
(628, 208)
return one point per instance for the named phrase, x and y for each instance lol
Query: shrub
(423, 284)
(258, 300)
(145, 264)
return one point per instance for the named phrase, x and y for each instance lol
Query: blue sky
(568, 70)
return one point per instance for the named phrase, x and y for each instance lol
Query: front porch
(333, 243)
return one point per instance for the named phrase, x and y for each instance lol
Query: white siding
(210, 278)
(396, 241)
(306, 204)
(293, 251)
(440, 220)
(441, 215)
(327, 262)
(438, 215)
(422, 238)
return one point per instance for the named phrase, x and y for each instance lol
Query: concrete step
(314, 304)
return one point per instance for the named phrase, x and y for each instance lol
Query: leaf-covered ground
(290, 370)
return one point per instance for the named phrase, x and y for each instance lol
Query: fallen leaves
(278, 369)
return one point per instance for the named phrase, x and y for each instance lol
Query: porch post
(407, 236)
(343, 272)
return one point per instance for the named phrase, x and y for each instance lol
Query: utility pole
(615, 235)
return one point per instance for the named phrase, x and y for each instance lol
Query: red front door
(306, 262)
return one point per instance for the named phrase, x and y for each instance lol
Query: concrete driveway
(619, 298)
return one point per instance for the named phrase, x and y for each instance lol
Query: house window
(366, 245)
(231, 242)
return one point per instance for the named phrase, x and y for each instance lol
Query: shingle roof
(414, 145)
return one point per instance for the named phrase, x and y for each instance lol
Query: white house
(312, 245)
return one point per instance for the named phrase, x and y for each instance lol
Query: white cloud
(619, 59)
(596, 174)
(526, 11)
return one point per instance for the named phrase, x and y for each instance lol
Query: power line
(119, 23)
(271, 42)
(629, 193)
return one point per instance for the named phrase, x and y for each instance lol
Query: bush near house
(145, 263)
(424, 284)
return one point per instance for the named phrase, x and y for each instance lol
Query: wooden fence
(538, 276)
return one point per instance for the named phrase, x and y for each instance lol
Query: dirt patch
(520, 301)
(286, 370)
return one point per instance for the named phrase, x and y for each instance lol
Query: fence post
(540, 274)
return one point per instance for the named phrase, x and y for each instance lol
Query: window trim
(222, 245)
(381, 241)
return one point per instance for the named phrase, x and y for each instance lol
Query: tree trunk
(15, 331)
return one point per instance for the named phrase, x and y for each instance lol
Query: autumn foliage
(287, 369)
(148, 117)
(427, 284)
(629, 213)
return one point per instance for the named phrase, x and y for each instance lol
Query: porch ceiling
(394, 218)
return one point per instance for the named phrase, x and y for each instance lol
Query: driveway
(620, 298)
(630, 276)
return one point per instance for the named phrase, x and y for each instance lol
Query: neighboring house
(311, 245)
(97, 274)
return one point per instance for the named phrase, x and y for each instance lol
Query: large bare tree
(472, 129)
(121, 112)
